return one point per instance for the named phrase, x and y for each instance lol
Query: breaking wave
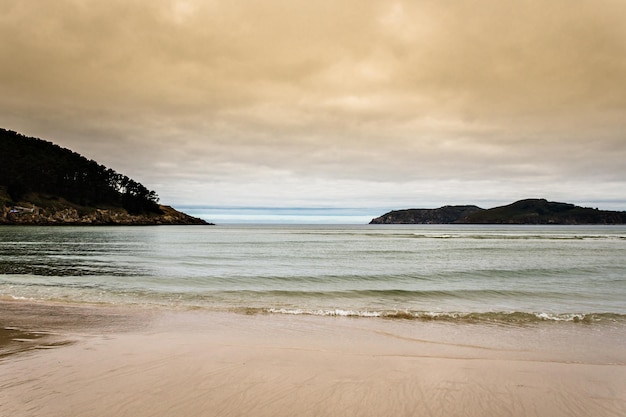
(514, 317)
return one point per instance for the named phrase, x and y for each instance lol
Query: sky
(337, 104)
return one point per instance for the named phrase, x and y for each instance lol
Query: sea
(460, 273)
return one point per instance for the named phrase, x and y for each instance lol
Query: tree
(34, 165)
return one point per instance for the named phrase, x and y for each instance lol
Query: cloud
(321, 96)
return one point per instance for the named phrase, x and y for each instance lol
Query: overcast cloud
(329, 103)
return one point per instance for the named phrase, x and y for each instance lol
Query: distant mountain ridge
(43, 183)
(528, 211)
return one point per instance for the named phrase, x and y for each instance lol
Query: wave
(202, 302)
(514, 317)
(302, 292)
(389, 294)
(69, 269)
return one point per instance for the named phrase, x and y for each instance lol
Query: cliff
(528, 211)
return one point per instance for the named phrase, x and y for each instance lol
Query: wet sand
(134, 362)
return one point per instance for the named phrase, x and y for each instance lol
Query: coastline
(134, 361)
(86, 216)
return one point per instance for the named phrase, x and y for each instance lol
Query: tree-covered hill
(44, 184)
(34, 166)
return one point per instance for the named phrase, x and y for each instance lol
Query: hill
(442, 215)
(43, 183)
(529, 211)
(541, 211)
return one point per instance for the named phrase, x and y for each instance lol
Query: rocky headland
(44, 184)
(441, 215)
(31, 214)
(528, 211)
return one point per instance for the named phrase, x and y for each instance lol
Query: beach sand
(101, 361)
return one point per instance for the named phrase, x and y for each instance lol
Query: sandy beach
(60, 360)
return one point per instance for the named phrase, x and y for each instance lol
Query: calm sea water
(471, 273)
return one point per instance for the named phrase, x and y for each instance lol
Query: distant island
(44, 184)
(529, 211)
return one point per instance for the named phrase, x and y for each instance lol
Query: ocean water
(510, 274)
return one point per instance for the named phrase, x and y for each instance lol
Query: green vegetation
(45, 174)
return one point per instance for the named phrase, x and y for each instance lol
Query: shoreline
(133, 361)
(27, 326)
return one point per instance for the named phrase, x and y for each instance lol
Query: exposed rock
(44, 184)
(34, 215)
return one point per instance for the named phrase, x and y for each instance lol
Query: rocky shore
(34, 215)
